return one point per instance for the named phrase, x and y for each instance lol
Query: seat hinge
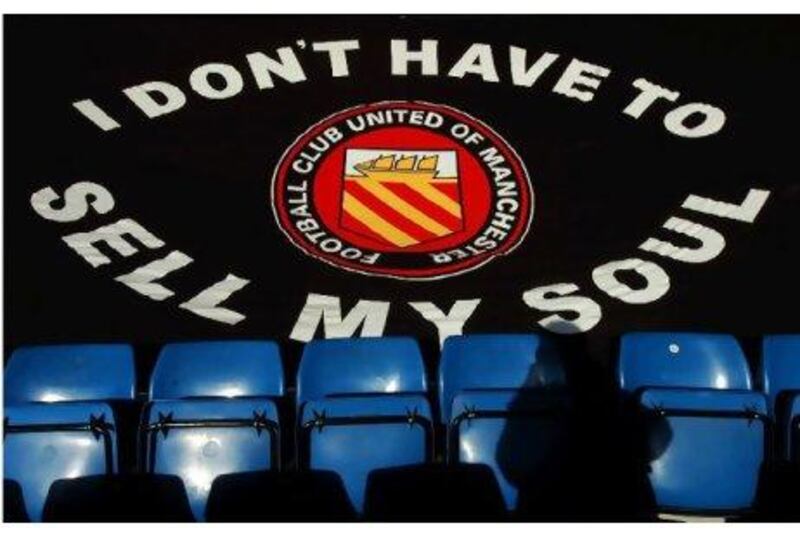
(412, 416)
(260, 421)
(98, 426)
(163, 423)
(752, 414)
(318, 421)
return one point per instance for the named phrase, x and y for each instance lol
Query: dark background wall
(199, 178)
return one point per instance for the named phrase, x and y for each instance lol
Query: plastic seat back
(354, 436)
(118, 498)
(706, 448)
(780, 367)
(703, 426)
(13, 504)
(389, 365)
(45, 442)
(794, 430)
(499, 362)
(309, 496)
(218, 369)
(433, 493)
(78, 372)
(523, 436)
(198, 440)
(681, 360)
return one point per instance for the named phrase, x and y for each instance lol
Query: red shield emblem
(401, 197)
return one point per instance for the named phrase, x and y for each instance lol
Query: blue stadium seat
(704, 426)
(359, 366)
(780, 378)
(218, 369)
(13, 504)
(361, 407)
(70, 373)
(45, 442)
(518, 434)
(710, 455)
(504, 401)
(59, 422)
(270, 496)
(123, 497)
(353, 436)
(198, 440)
(686, 360)
(497, 361)
(213, 412)
(794, 430)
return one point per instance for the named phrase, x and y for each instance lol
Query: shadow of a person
(577, 460)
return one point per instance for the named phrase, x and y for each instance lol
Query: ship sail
(428, 163)
(394, 167)
(405, 163)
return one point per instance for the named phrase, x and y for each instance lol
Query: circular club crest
(408, 190)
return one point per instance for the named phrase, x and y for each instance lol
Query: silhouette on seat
(504, 401)
(213, 412)
(497, 362)
(118, 498)
(703, 426)
(311, 496)
(362, 407)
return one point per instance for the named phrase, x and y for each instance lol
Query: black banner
(175, 178)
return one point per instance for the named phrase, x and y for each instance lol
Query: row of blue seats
(363, 405)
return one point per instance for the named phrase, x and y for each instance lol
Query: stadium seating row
(363, 411)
